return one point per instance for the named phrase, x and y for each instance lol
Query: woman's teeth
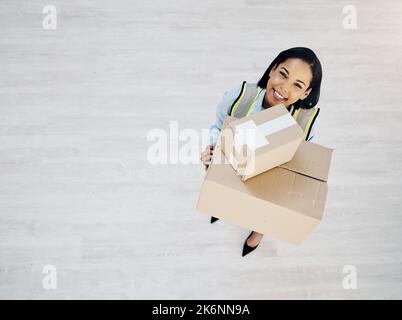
(278, 96)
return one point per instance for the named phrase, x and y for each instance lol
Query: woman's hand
(206, 155)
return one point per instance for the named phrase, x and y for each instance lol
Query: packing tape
(248, 133)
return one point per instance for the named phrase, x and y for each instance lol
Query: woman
(292, 79)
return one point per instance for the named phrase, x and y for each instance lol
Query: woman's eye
(283, 74)
(298, 85)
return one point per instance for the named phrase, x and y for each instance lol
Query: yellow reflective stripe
(306, 130)
(296, 114)
(251, 109)
(238, 101)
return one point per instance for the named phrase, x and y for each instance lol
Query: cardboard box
(262, 141)
(285, 203)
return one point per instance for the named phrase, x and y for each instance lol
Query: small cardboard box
(262, 141)
(285, 203)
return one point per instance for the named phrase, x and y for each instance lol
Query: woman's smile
(277, 96)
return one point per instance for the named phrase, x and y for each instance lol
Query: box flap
(312, 160)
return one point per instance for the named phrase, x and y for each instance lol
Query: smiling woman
(288, 82)
(295, 76)
(293, 79)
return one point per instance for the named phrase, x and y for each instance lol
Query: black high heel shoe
(246, 248)
(213, 219)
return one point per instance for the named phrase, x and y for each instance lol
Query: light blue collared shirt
(223, 108)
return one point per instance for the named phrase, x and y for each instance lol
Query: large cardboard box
(285, 203)
(261, 141)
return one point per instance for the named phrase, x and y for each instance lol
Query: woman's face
(288, 82)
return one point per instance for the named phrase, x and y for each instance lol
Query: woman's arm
(221, 111)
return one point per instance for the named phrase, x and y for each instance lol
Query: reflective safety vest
(245, 103)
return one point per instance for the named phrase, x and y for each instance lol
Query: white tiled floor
(77, 191)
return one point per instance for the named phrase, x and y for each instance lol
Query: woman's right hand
(206, 155)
